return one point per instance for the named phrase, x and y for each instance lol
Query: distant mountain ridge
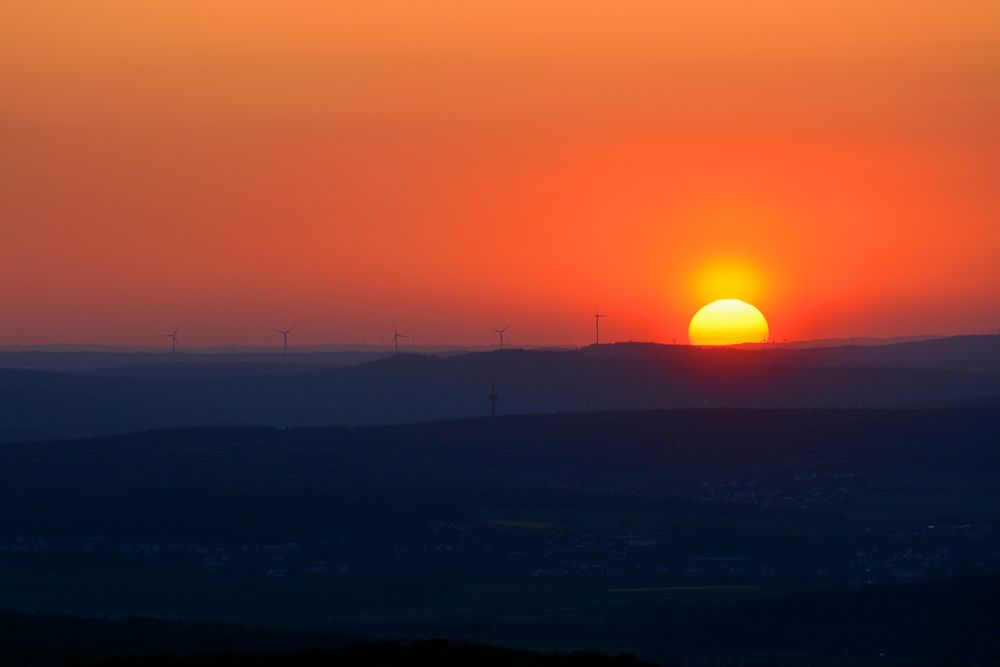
(163, 353)
(412, 388)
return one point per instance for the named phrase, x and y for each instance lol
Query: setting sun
(727, 322)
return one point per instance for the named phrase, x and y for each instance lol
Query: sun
(727, 322)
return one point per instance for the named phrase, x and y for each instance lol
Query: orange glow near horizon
(451, 165)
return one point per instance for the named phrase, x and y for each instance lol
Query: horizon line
(372, 347)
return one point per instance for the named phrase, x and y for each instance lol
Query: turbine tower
(493, 398)
(395, 338)
(284, 334)
(501, 332)
(173, 342)
(597, 326)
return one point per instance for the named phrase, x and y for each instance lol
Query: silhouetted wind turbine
(493, 397)
(597, 326)
(501, 332)
(173, 342)
(284, 335)
(395, 338)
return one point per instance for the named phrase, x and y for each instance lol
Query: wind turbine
(597, 326)
(501, 332)
(395, 338)
(284, 334)
(493, 397)
(173, 342)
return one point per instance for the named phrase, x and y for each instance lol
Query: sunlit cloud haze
(448, 166)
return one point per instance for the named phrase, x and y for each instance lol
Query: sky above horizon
(450, 166)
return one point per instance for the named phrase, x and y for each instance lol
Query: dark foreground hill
(418, 654)
(813, 535)
(283, 484)
(409, 388)
(56, 640)
(949, 623)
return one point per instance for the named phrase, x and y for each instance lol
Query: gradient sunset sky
(237, 166)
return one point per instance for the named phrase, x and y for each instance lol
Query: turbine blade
(290, 329)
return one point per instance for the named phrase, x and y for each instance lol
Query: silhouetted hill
(836, 533)
(842, 342)
(54, 640)
(407, 388)
(419, 654)
(949, 622)
(187, 364)
(240, 477)
(977, 353)
(184, 369)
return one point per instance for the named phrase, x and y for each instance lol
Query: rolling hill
(408, 387)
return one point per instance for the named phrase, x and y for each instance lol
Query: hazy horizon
(509, 344)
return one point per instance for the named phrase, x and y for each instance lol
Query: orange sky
(232, 167)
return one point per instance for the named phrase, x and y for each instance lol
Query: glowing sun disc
(727, 322)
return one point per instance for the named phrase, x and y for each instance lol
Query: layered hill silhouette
(410, 387)
(820, 536)
(27, 640)
(293, 483)
(156, 364)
